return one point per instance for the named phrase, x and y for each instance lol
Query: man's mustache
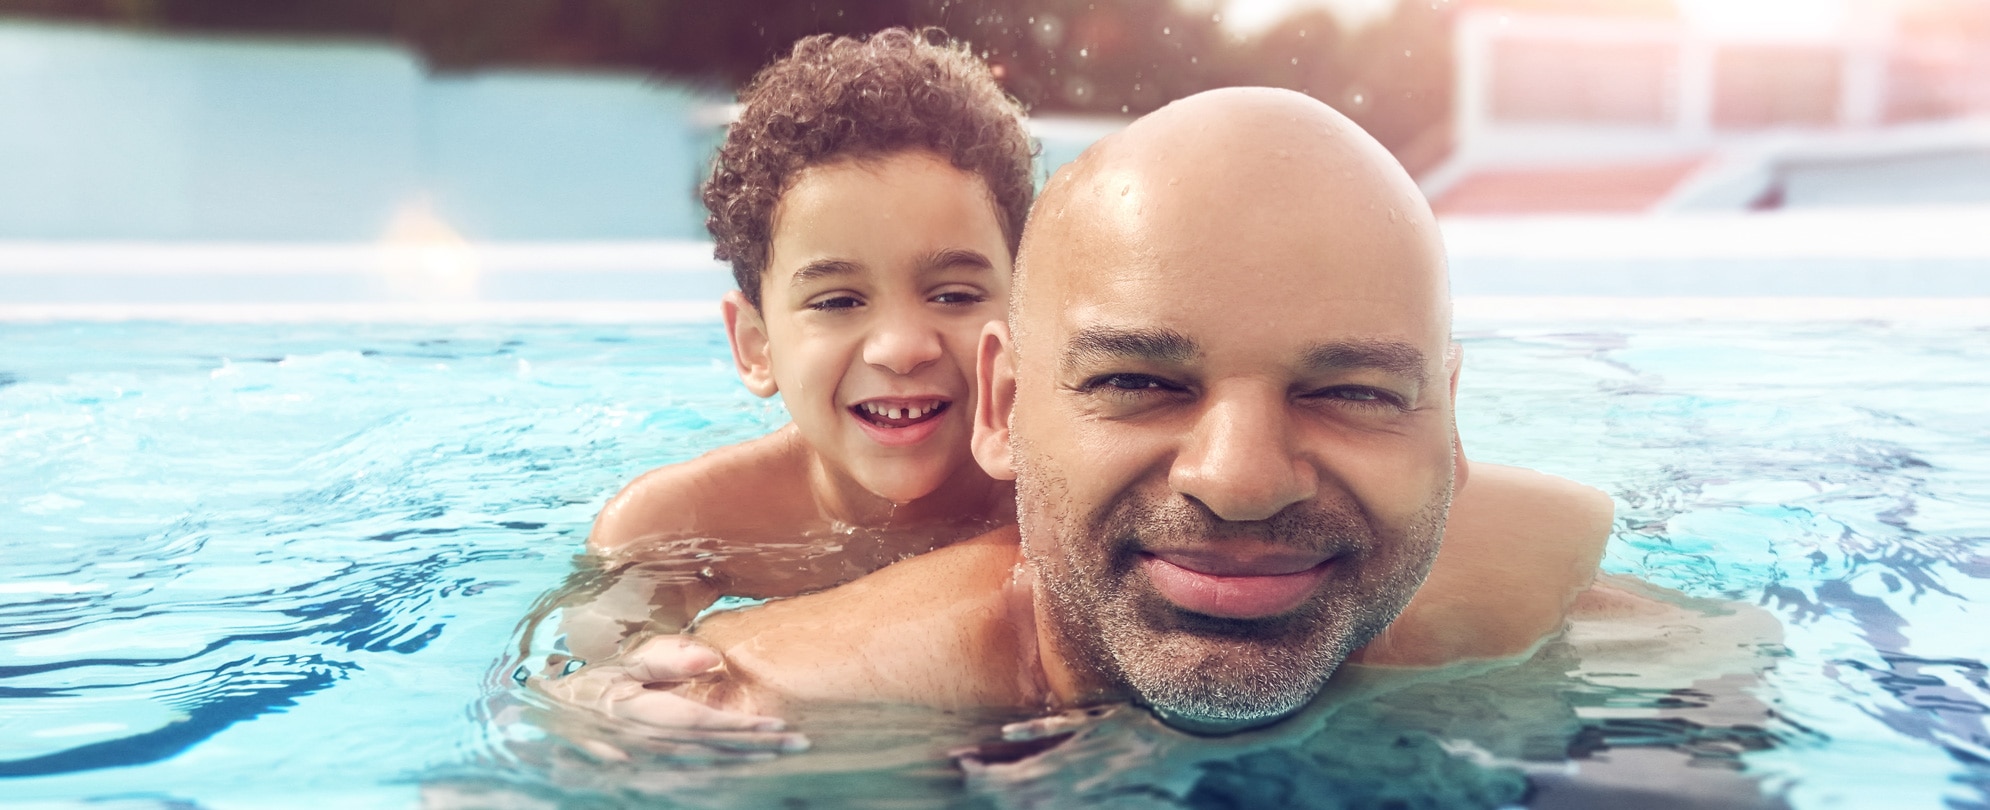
(1175, 521)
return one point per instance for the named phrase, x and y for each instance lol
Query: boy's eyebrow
(821, 269)
(1104, 344)
(942, 259)
(945, 258)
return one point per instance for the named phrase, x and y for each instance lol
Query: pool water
(288, 565)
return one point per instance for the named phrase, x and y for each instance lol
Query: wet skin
(881, 274)
(1228, 407)
(1239, 409)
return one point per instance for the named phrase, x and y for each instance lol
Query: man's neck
(1065, 681)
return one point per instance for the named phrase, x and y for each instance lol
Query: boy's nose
(902, 345)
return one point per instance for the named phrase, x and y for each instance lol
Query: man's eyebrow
(947, 258)
(1390, 356)
(821, 269)
(1097, 344)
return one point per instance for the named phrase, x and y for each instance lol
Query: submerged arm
(738, 521)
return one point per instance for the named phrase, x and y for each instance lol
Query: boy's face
(880, 275)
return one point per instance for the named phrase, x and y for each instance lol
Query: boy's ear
(1462, 469)
(748, 334)
(994, 401)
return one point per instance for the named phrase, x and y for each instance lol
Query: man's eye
(1132, 382)
(1358, 395)
(835, 302)
(959, 297)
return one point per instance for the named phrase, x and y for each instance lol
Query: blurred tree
(1086, 56)
(1398, 79)
(1101, 56)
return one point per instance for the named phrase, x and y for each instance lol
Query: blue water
(254, 566)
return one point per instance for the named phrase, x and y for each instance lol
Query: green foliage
(1082, 56)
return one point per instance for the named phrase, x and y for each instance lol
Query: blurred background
(310, 152)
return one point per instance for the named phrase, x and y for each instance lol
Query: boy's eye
(835, 302)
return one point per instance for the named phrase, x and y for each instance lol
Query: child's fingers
(601, 751)
(1053, 725)
(678, 753)
(636, 685)
(703, 751)
(673, 711)
(668, 659)
(737, 742)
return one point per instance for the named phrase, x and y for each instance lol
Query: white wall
(109, 135)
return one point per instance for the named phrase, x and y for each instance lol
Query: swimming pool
(285, 565)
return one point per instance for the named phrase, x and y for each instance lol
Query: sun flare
(425, 259)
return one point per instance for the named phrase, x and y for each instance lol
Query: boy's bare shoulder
(713, 494)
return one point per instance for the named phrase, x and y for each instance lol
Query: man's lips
(896, 422)
(1234, 586)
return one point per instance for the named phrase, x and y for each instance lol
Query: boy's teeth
(906, 412)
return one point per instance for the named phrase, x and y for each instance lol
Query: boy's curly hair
(837, 97)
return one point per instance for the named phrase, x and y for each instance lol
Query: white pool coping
(1469, 311)
(1838, 264)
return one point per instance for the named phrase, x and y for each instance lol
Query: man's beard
(1204, 671)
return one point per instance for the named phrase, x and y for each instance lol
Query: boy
(869, 198)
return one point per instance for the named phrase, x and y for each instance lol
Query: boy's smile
(898, 422)
(881, 272)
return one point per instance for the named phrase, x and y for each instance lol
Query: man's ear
(748, 334)
(1463, 468)
(994, 401)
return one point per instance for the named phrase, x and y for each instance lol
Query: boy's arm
(633, 665)
(741, 521)
(685, 534)
(948, 629)
(951, 629)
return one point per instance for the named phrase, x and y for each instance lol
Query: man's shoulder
(1555, 526)
(713, 494)
(1519, 546)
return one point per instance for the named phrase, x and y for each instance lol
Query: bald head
(1252, 170)
(1225, 397)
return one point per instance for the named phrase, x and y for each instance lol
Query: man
(1225, 394)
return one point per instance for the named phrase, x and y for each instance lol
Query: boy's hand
(649, 685)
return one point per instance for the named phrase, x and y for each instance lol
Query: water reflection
(190, 549)
(1617, 714)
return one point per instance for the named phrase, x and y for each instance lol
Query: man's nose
(1241, 460)
(902, 342)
